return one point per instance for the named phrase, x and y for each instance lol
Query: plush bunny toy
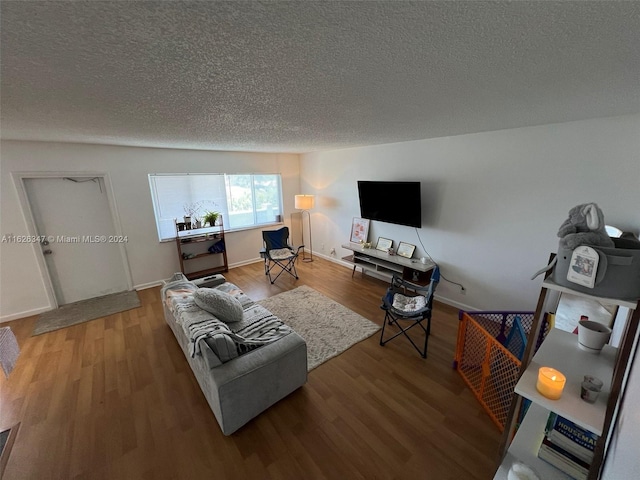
(585, 226)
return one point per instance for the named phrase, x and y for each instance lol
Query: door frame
(19, 179)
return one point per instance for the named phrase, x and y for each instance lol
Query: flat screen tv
(391, 202)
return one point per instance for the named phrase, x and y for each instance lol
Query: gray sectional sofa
(240, 378)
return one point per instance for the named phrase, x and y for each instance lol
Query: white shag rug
(328, 327)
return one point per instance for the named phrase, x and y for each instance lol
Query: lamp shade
(305, 202)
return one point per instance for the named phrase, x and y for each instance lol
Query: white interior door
(82, 253)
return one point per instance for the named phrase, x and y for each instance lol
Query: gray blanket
(261, 328)
(258, 326)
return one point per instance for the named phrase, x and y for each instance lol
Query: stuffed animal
(585, 226)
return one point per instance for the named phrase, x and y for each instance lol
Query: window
(244, 201)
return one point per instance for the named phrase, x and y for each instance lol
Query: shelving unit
(525, 447)
(385, 265)
(560, 350)
(193, 251)
(551, 285)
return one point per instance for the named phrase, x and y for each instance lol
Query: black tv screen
(391, 202)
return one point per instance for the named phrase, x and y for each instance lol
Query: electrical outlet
(322, 247)
(332, 251)
(463, 290)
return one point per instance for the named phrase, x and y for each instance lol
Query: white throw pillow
(224, 306)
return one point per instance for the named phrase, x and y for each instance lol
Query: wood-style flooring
(114, 398)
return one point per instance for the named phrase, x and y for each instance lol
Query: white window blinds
(243, 200)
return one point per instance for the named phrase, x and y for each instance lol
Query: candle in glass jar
(550, 382)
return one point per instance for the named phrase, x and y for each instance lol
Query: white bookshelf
(560, 350)
(551, 285)
(525, 445)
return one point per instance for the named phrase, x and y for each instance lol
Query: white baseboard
(144, 286)
(334, 259)
(445, 300)
(157, 283)
(28, 313)
(246, 262)
(453, 303)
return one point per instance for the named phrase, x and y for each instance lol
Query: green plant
(210, 218)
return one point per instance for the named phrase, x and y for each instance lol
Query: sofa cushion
(221, 304)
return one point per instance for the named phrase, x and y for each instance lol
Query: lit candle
(550, 382)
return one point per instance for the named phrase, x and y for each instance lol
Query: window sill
(242, 229)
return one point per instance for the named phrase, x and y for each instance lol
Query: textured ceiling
(302, 76)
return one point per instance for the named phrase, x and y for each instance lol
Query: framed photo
(359, 230)
(406, 250)
(384, 244)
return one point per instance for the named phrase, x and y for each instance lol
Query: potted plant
(211, 218)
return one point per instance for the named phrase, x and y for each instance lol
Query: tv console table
(372, 260)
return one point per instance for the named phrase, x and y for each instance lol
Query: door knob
(47, 252)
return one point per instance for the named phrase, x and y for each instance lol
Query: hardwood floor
(114, 398)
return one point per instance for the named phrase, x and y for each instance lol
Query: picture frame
(359, 230)
(405, 250)
(384, 244)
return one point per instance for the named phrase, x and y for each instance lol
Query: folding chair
(412, 310)
(277, 253)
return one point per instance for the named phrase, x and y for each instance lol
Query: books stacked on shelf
(568, 447)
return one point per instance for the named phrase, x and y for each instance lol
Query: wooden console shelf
(385, 265)
(193, 251)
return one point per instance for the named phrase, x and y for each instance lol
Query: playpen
(488, 356)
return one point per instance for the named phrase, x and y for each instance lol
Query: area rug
(85, 310)
(9, 350)
(328, 327)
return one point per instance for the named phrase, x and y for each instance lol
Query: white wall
(22, 290)
(622, 456)
(492, 202)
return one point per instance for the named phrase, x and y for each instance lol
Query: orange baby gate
(488, 356)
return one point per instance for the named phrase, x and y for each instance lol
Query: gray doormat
(85, 310)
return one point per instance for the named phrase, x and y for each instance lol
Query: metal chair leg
(290, 268)
(403, 331)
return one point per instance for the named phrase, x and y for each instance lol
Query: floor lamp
(306, 203)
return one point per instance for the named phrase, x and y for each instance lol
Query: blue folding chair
(407, 311)
(278, 254)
